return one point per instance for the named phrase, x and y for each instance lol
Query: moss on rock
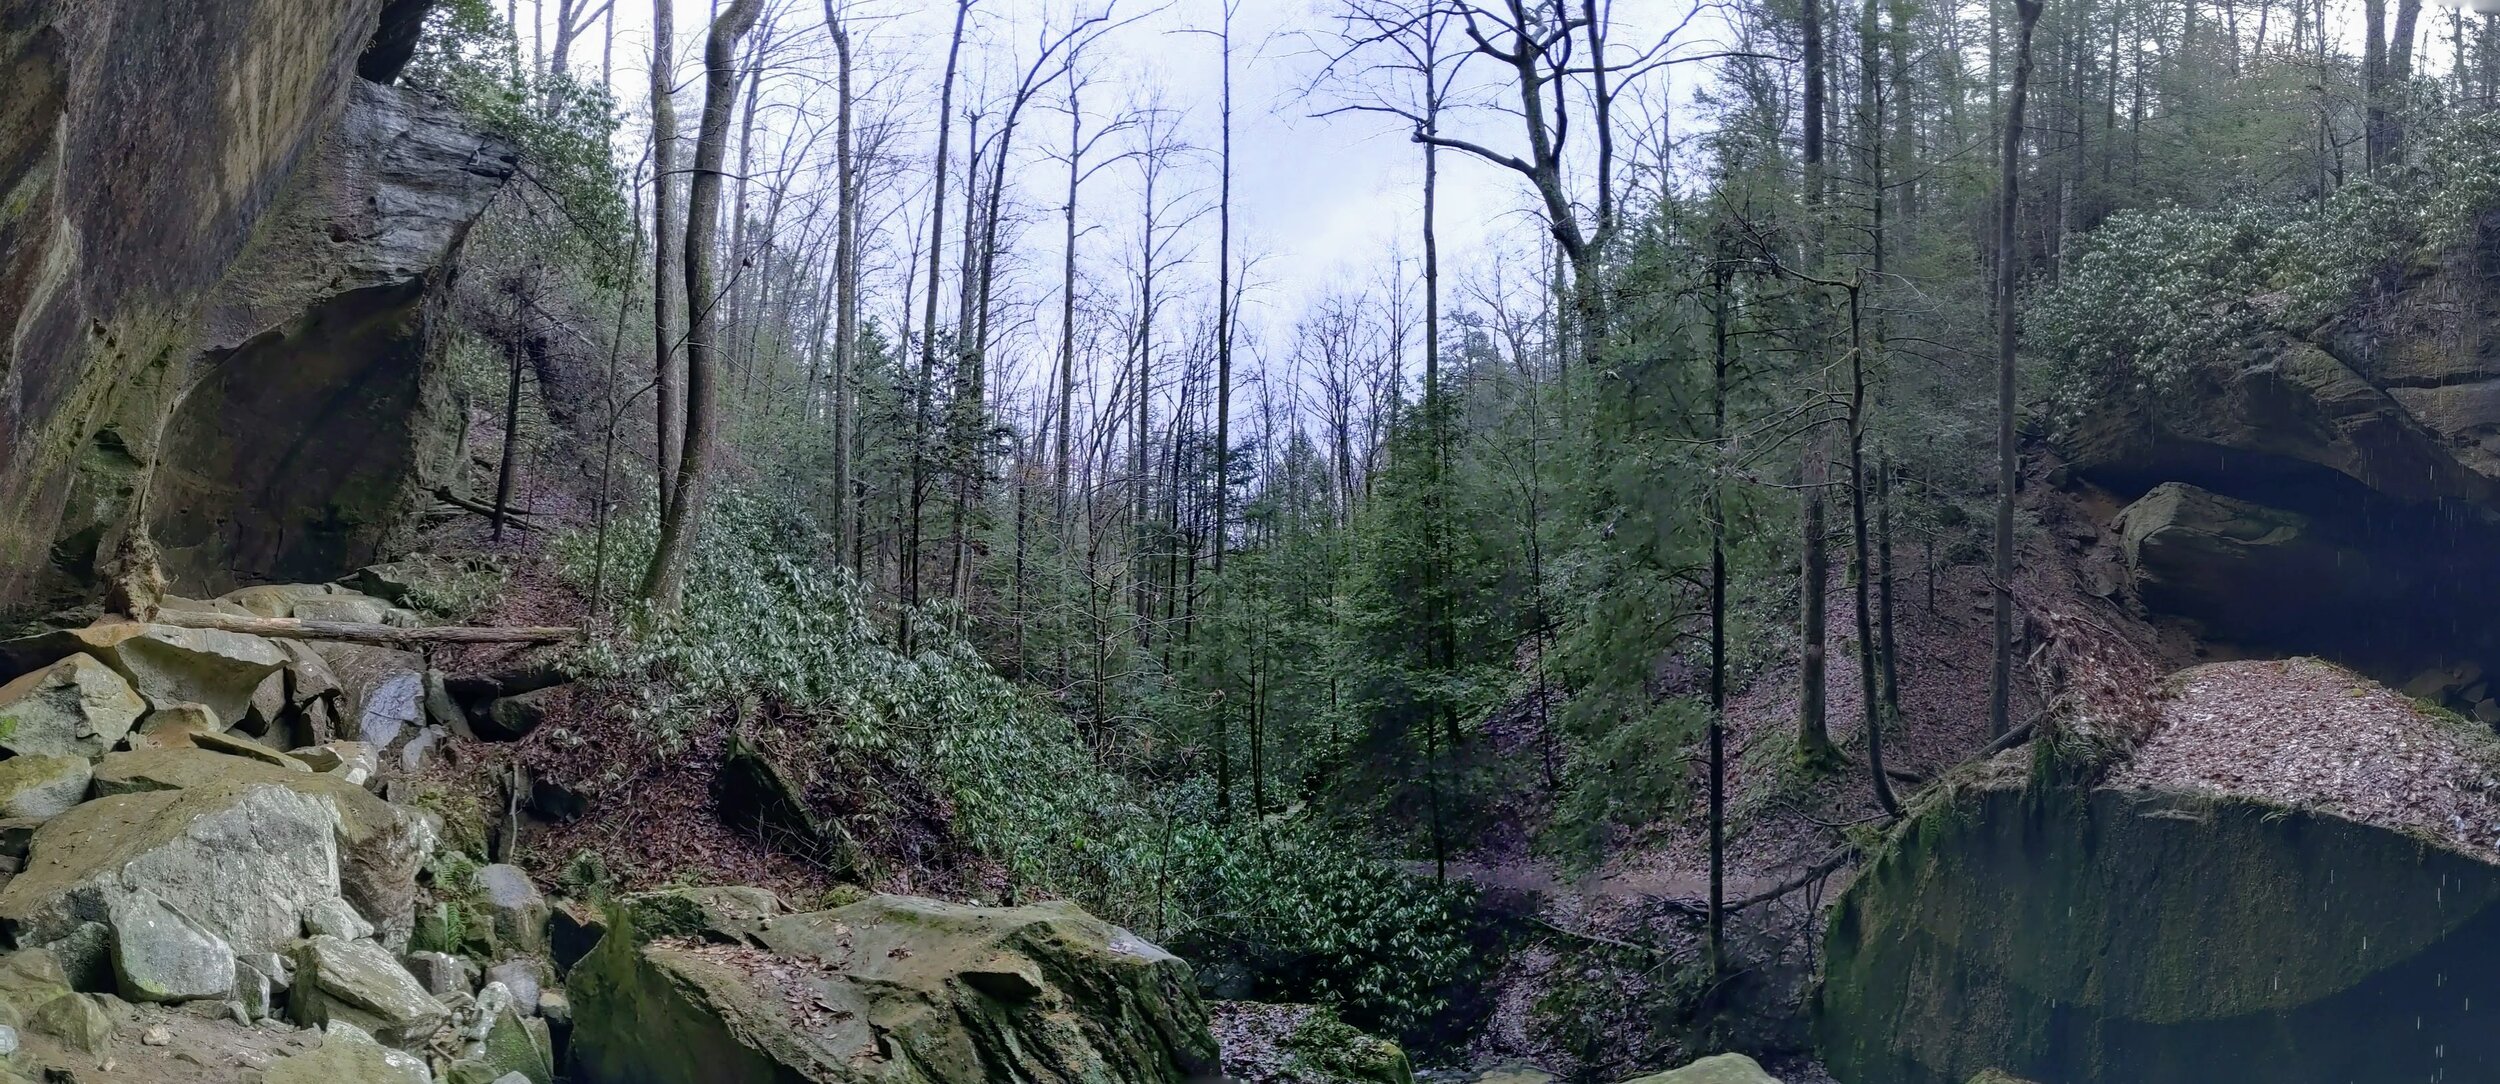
(890, 989)
(2159, 938)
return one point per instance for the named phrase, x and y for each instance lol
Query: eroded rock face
(2160, 938)
(321, 420)
(892, 989)
(2361, 467)
(74, 707)
(187, 231)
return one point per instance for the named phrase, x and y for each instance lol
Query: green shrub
(1314, 919)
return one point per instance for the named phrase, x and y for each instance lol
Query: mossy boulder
(41, 786)
(345, 843)
(891, 989)
(241, 859)
(1715, 1069)
(76, 706)
(2156, 937)
(165, 664)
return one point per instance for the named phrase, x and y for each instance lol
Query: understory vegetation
(1248, 613)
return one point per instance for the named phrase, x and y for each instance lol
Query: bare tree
(2009, 181)
(664, 258)
(923, 390)
(681, 520)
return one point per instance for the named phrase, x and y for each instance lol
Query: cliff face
(2339, 495)
(217, 246)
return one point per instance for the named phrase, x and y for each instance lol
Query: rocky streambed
(205, 881)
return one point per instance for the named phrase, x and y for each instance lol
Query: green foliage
(1314, 919)
(459, 592)
(2153, 294)
(562, 126)
(764, 619)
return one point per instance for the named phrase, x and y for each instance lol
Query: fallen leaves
(2307, 733)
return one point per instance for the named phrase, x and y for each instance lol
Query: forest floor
(2308, 733)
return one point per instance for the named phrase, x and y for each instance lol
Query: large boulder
(892, 989)
(245, 847)
(360, 983)
(242, 859)
(165, 664)
(2160, 937)
(1715, 1069)
(41, 786)
(380, 846)
(134, 184)
(77, 706)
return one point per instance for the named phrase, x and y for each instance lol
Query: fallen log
(358, 632)
(517, 517)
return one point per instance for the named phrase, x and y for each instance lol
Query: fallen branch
(357, 632)
(2010, 739)
(1597, 939)
(518, 517)
(1813, 875)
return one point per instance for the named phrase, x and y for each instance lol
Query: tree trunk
(1814, 741)
(664, 256)
(2009, 179)
(846, 308)
(921, 392)
(682, 521)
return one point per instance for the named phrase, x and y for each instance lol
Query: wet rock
(514, 907)
(359, 983)
(525, 978)
(161, 954)
(165, 665)
(513, 718)
(441, 973)
(659, 1012)
(75, 707)
(42, 786)
(347, 1055)
(383, 690)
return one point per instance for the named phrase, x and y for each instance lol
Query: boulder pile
(201, 879)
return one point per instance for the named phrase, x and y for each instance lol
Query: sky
(1321, 202)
